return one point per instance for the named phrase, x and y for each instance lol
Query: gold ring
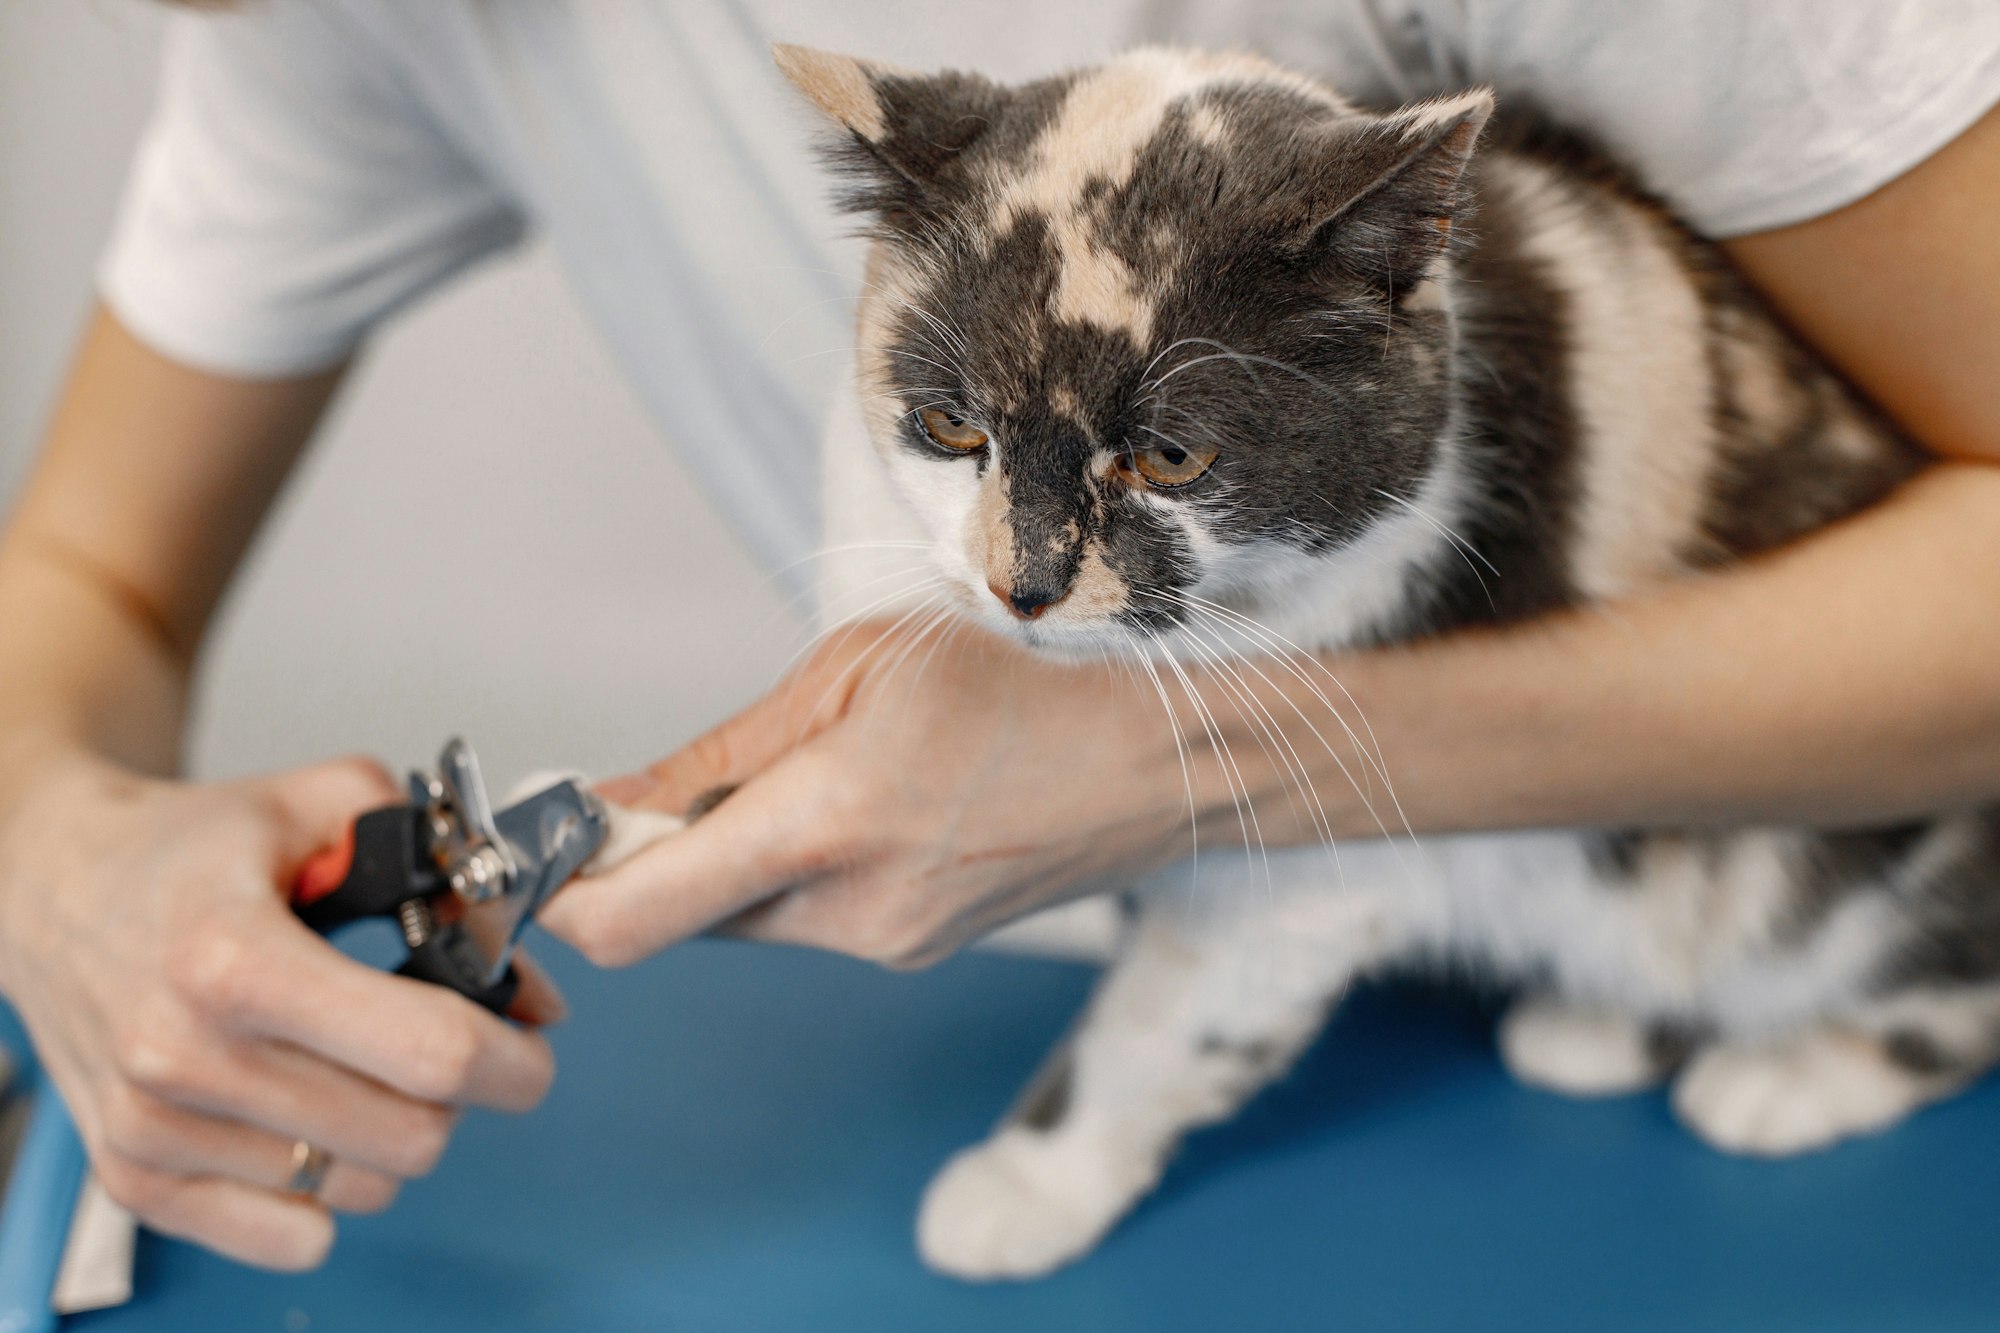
(309, 1165)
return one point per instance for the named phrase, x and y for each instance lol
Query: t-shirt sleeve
(290, 192)
(1748, 116)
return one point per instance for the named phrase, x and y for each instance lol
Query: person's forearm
(151, 483)
(79, 669)
(1850, 679)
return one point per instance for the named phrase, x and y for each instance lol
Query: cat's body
(1417, 387)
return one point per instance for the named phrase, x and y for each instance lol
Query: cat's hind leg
(1809, 1089)
(1197, 1014)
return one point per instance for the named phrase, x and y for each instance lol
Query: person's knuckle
(445, 1057)
(134, 1124)
(156, 1058)
(215, 970)
(420, 1146)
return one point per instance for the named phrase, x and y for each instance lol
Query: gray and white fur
(1441, 373)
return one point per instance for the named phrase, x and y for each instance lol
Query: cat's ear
(1399, 188)
(905, 133)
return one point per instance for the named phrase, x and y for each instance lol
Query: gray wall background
(489, 536)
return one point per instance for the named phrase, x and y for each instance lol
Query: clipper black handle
(377, 870)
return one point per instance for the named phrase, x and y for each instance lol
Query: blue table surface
(738, 1137)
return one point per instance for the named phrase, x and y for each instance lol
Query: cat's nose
(1025, 603)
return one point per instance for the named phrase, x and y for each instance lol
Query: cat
(1185, 354)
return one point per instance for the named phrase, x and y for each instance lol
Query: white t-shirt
(316, 164)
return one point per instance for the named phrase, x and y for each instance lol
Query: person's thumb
(804, 704)
(318, 804)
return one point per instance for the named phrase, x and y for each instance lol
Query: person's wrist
(1204, 757)
(29, 754)
(1294, 754)
(37, 768)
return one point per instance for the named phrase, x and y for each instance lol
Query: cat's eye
(952, 431)
(1170, 465)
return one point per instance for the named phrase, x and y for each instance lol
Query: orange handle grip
(324, 871)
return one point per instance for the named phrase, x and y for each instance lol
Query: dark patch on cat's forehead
(987, 314)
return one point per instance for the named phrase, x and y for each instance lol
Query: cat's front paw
(1548, 1043)
(1024, 1203)
(1795, 1094)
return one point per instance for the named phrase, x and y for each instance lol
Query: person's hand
(897, 797)
(199, 1031)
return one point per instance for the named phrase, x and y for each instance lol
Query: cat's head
(1148, 335)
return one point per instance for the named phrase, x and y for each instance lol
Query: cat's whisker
(823, 552)
(1170, 348)
(1373, 766)
(912, 356)
(1466, 551)
(952, 336)
(1221, 649)
(794, 604)
(1269, 734)
(1286, 653)
(1202, 662)
(832, 612)
(1245, 359)
(926, 632)
(1250, 661)
(903, 392)
(1170, 440)
(952, 333)
(943, 616)
(1214, 647)
(1133, 654)
(944, 403)
(779, 327)
(861, 659)
(1239, 791)
(846, 625)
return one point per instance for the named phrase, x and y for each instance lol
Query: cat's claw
(1797, 1094)
(1022, 1204)
(1548, 1043)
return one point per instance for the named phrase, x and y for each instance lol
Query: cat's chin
(1069, 648)
(1057, 642)
(1071, 643)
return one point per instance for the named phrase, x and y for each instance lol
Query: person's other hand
(897, 797)
(199, 1031)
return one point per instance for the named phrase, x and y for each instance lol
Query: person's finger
(275, 978)
(538, 1002)
(247, 1224)
(844, 915)
(160, 1136)
(319, 802)
(790, 826)
(287, 1092)
(801, 707)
